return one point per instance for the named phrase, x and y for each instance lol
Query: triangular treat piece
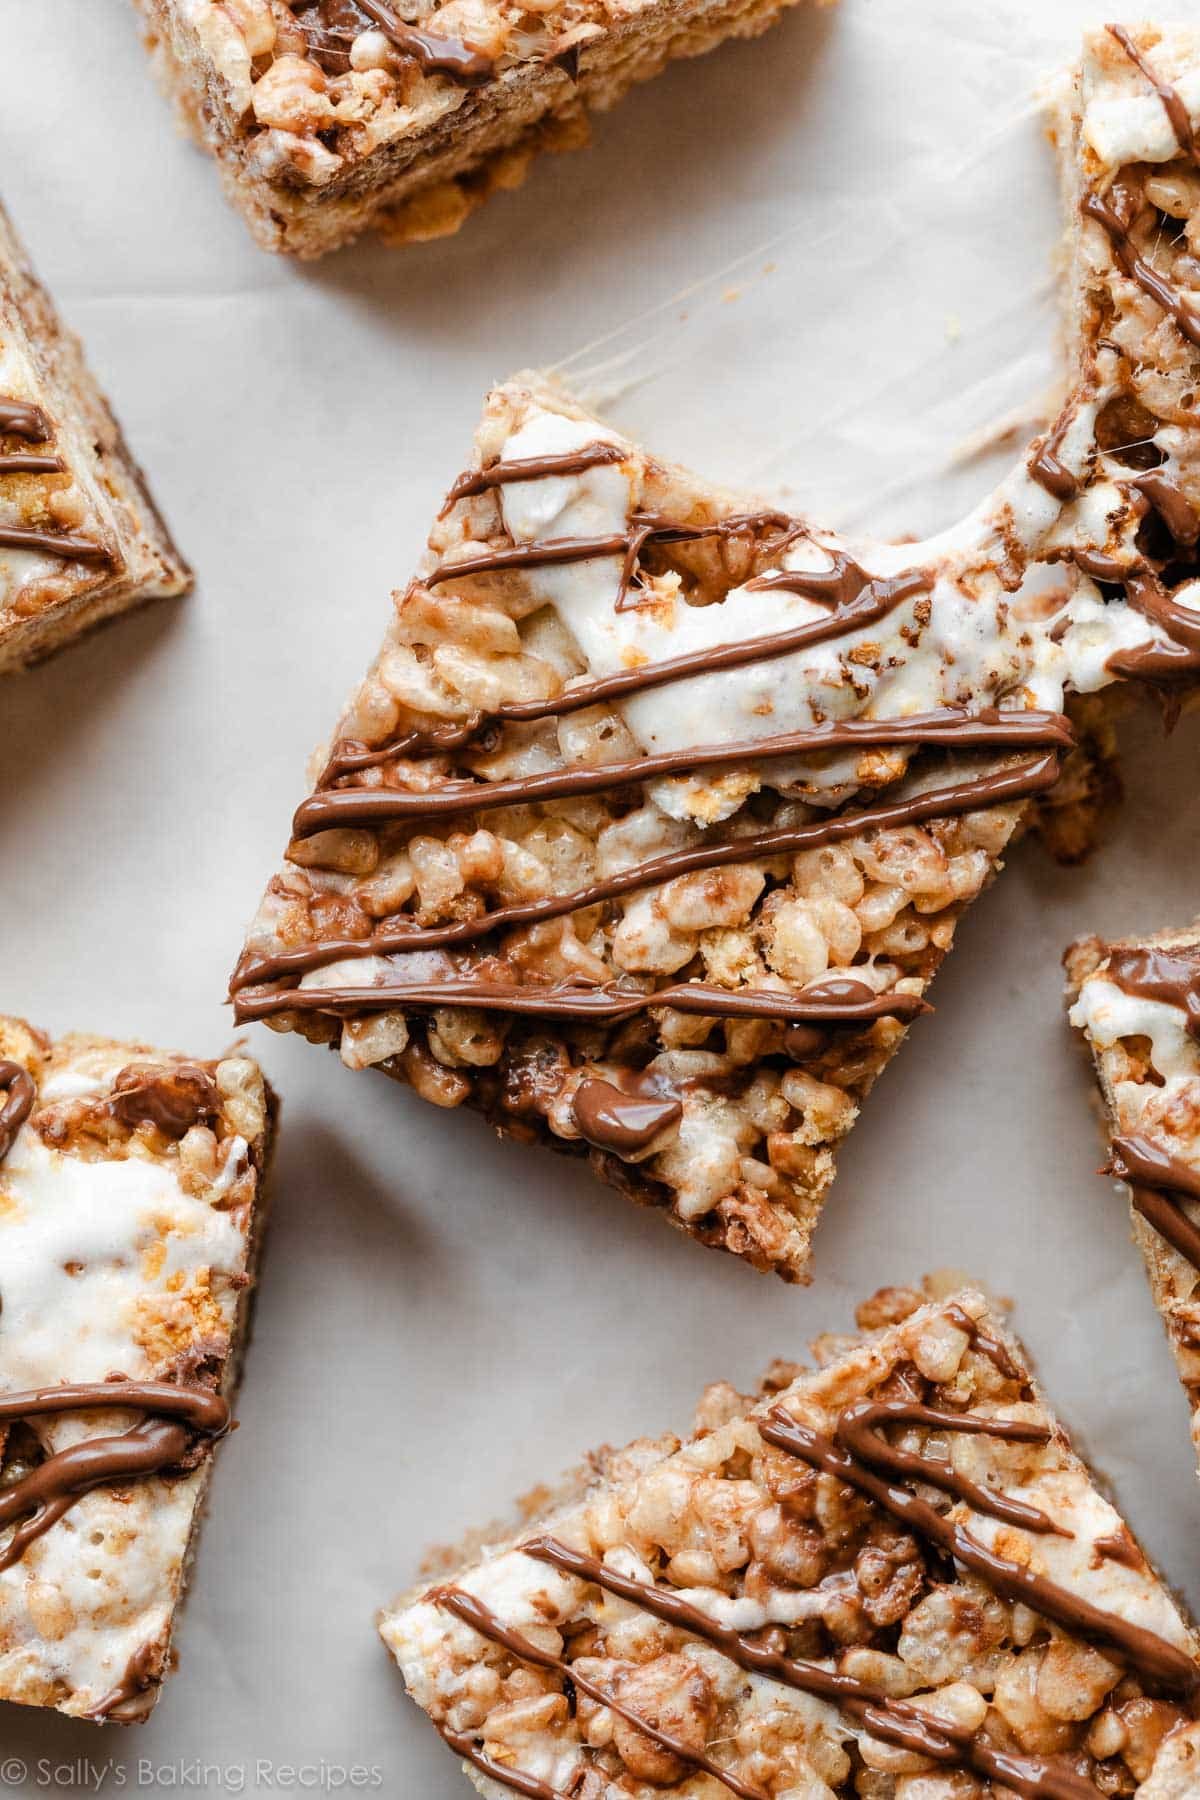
(131, 1213)
(1137, 1003)
(893, 1577)
(658, 809)
(80, 540)
(332, 117)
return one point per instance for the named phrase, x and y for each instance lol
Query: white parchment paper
(820, 265)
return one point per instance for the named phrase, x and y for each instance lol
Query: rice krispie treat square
(891, 1578)
(328, 117)
(131, 1217)
(80, 539)
(656, 813)
(1136, 1002)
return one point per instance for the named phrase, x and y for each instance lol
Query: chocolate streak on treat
(991, 1347)
(480, 1618)
(31, 465)
(74, 549)
(837, 1001)
(849, 1460)
(859, 1429)
(20, 1091)
(172, 1096)
(38, 1500)
(1173, 303)
(531, 556)
(1169, 978)
(18, 418)
(1172, 100)
(896, 1722)
(1001, 786)
(952, 727)
(531, 468)
(627, 544)
(1172, 506)
(502, 1774)
(872, 603)
(1049, 471)
(624, 1123)
(1159, 1183)
(436, 55)
(129, 1700)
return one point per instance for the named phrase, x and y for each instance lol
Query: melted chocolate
(1158, 1182)
(531, 468)
(868, 607)
(951, 727)
(20, 1092)
(503, 1774)
(1172, 100)
(39, 1499)
(624, 1123)
(480, 1618)
(1048, 470)
(849, 1460)
(31, 465)
(896, 1722)
(1006, 785)
(53, 543)
(1168, 977)
(531, 556)
(860, 1426)
(991, 1347)
(436, 55)
(130, 1699)
(838, 1001)
(18, 418)
(172, 1097)
(1172, 506)
(1173, 303)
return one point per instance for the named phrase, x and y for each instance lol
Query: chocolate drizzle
(901, 1723)
(854, 1458)
(624, 1123)
(20, 1092)
(1172, 100)
(1048, 469)
(129, 1700)
(480, 1618)
(1005, 785)
(19, 464)
(1165, 976)
(871, 602)
(502, 1774)
(951, 727)
(1173, 303)
(436, 55)
(160, 1441)
(1172, 506)
(1159, 1182)
(840, 1000)
(20, 418)
(531, 468)
(54, 543)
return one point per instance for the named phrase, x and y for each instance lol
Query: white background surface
(863, 208)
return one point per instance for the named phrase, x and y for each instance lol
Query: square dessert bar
(80, 539)
(131, 1215)
(1136, 1002)
(890, 1579)
(328, 117)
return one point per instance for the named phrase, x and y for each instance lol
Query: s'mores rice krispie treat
(656, 813)
(890, 1579)
(80, 540)
(131, 1215)
(1136, 1002)
(330, 117)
